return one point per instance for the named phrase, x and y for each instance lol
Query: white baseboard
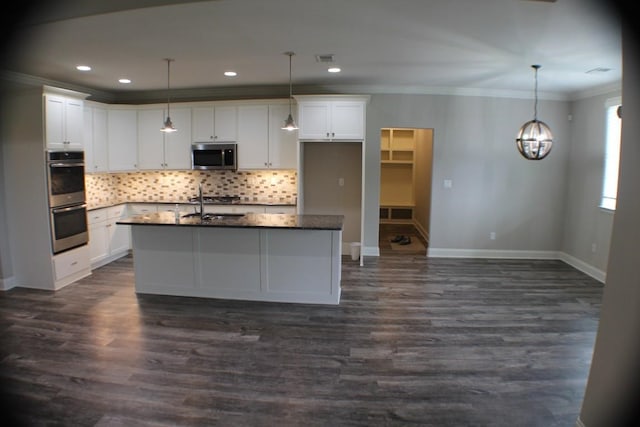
(582, 266)
(579, 423)
(490, 253)
(8, 283)
(599, 275)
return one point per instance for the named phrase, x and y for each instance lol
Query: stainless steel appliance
(67, 207)
(68, 227)
(214, 155)
(65, 177)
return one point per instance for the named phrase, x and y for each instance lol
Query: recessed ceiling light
(334, 70)
(230, 73)
(83, 68)
(124, 81)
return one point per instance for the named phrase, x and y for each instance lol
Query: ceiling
(382, 46)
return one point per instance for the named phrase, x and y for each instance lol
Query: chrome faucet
(201, 200)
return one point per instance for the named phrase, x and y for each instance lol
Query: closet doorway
(406, 158)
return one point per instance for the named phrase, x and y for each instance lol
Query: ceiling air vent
(325, 58)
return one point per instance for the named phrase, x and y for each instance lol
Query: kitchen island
(258, 257)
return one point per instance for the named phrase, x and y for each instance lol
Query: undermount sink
(213, 215)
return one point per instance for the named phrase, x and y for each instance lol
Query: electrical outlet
(492, 235)
(593, 248)
(341, 182)
(447, 183)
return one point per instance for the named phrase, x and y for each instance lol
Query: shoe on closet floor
(397, 239)
(405, 240)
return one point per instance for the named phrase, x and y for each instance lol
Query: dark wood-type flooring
(415, 341)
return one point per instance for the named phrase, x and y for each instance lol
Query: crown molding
(282, 91)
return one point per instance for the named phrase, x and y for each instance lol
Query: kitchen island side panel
(303, 263)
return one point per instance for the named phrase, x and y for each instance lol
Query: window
(611, 153)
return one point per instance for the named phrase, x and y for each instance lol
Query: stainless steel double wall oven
(67, 200)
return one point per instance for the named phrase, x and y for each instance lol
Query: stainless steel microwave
(214, 155)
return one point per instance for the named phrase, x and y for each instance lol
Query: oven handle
(65, 165)
(69, 208)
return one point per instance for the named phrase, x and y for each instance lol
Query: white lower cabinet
(108, 241)
(71, 265)
(98, 235)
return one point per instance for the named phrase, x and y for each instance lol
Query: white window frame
(613, 134)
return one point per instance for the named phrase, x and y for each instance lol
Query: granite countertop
(250, 220)
(186, 202)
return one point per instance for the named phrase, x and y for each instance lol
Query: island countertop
(249, 220)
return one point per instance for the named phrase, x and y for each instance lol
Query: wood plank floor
(415, 341)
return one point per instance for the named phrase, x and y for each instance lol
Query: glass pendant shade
(168, 125)
(534, 140)
(289, 123)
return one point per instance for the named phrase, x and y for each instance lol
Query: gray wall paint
(325, 163)
(494, 188)
(585, 223)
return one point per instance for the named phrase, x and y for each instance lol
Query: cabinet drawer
(74, 261)
(96, 216)
(116, 212)
(142, 209)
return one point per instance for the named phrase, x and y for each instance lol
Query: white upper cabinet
(161, 150)
(150, 139)
(283, 144)
(215, 123)
(177, 145)
(100, 148)
(122, 137)
(95, 139)
(64, 123)
(253, 137)
(331, 118)
(87, 138)
(262, 144)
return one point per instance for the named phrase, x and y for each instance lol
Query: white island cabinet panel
(291, 255)
(168, 262)
(228, 260)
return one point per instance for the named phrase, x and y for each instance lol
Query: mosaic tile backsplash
(268, 186)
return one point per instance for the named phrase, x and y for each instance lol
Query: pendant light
(535, 139)
(168, 126)
(289, 124)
